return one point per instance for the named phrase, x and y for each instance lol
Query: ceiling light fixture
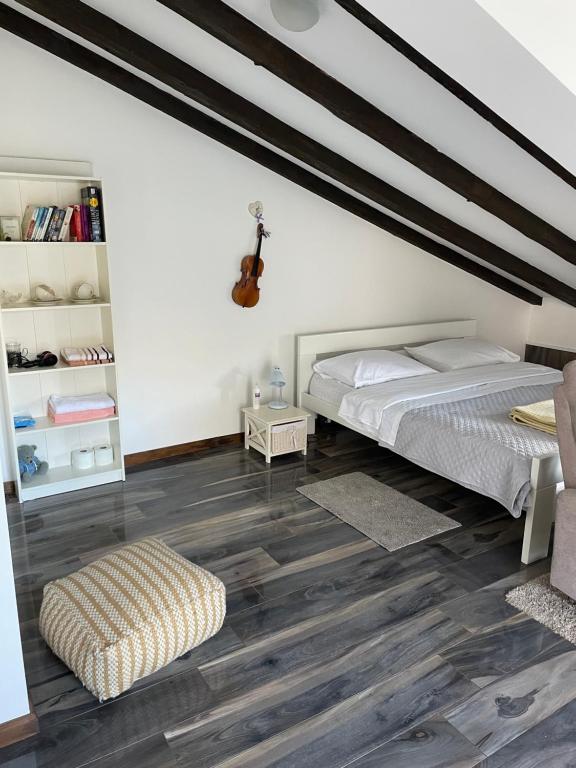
(295, 15)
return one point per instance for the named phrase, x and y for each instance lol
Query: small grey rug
(547, 605)
(384, 515)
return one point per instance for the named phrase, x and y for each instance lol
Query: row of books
(77, 222)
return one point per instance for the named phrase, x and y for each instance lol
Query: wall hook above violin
(246, 292)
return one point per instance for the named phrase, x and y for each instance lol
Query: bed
(454, 424)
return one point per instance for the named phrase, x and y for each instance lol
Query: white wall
(553, 325)
(176, 206)
(13, 692)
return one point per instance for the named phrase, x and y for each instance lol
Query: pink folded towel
(75, 417)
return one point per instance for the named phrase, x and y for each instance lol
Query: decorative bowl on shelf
(7, 297)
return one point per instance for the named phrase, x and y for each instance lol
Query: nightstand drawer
(289, 437)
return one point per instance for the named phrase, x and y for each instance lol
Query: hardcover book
(91, 199)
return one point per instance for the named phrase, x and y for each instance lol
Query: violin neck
(256, 262)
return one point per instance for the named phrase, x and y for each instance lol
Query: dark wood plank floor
(334, 652)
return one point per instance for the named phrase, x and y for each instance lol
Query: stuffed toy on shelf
(29, 464)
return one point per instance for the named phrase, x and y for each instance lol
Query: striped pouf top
(129, 614)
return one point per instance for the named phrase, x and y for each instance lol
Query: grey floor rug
(386, 516)
(547, 605)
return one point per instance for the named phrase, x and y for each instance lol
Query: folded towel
(536, 415)
(76, 417)
(59, 404)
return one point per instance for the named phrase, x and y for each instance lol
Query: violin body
(246, 291)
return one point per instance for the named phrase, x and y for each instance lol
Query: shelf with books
(62, 266)
(56, 222)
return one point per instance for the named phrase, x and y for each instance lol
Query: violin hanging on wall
(246, 292)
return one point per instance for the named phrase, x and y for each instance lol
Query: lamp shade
(277, 378)
(295, 15)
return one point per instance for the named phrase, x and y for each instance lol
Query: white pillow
(453, 354)
(371, 366)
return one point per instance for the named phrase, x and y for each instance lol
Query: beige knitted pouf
(129, 614)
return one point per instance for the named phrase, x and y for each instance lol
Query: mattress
(456, 424)
(330, 390)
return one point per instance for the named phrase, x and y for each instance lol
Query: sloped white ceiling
(546, 29)
(458, 36)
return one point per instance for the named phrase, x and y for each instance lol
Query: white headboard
(311, 346)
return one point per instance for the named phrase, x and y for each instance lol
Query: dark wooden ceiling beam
(142, 54)
(234, 29)
(456, 89)
(68, 50)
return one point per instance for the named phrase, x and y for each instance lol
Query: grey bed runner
(474, 443)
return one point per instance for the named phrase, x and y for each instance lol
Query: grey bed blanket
(474, 443)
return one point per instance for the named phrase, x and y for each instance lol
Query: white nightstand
(275, 432)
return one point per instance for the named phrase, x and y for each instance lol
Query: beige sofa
(563, 573)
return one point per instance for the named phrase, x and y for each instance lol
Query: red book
(76, 225)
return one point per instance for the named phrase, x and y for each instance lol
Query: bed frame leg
(311, 425)
(538, 525)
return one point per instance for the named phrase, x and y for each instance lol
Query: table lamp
(278, 380)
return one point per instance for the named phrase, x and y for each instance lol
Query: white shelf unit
(23, 265)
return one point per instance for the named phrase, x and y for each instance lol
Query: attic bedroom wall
(553, 325)
(178, 226)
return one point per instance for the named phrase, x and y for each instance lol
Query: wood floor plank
(484, 569)
(114, 725)
(487, 606)
(516, 643)
(405, 642)
(433, 744)
(275, 615)
(153, 752)
(297, 547)
(212, 547)
(481, 538)
(369, 565)
(550, 744)
(512, 705)
(281, 702)
(253, 565)
(360, 722)
(49, 550)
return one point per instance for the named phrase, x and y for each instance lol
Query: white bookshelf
(23, 265)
